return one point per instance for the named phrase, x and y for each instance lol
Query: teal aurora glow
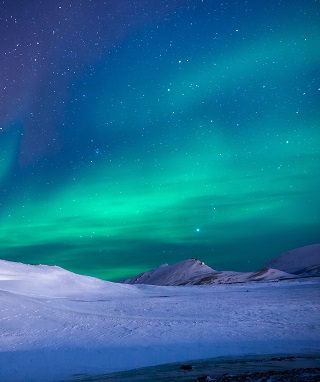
(134, 133)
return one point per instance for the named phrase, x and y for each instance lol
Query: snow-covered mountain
(195, 272)
(304, 261)
(176, 274)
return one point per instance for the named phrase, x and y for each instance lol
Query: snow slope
(300, 261)
(195, 272)
(55, 324)
(44, 280)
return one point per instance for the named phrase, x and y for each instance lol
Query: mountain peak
(176, 274)
(300, 261)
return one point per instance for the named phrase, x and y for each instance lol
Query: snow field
(96, 327)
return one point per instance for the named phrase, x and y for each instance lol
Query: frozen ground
(55, 324)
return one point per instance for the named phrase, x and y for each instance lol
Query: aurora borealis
(135, 133)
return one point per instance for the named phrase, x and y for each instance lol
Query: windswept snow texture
(300, 261)
(55, 324)
(195, 272)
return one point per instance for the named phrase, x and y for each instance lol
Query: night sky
(140, 132)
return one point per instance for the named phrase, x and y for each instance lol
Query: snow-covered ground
(54, 324)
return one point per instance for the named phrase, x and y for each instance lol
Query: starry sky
(140, 132)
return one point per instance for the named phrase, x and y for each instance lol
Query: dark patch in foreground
(293, 375)
(264, 368)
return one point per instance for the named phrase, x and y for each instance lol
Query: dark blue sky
(134, 133)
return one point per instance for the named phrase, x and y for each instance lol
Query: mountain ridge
(299, 261)
(304, 261)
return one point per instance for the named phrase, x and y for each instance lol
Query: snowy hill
(302, 261)
(44, 280)
(195, 272)
(55, 324)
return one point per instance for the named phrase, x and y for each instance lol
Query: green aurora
(211, 151)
